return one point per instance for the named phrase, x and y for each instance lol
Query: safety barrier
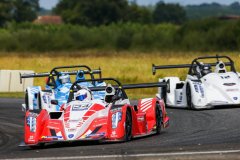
(10, 81)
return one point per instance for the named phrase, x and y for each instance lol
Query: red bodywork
(92, 122)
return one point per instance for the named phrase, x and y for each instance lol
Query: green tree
(171, 13)
(139, 14)
(93, 12)
(18, 10)
(5, 11)
(25, 10)
(235, 5)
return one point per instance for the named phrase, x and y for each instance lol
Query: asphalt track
(206, 134)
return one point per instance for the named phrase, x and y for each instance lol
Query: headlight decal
(31, 122)
(116, 117)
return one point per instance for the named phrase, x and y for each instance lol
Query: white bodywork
(213, 89)
(35, 102)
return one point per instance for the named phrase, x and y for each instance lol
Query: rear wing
(195, 62)
(155, 68)
(119, 85)
(47, 74)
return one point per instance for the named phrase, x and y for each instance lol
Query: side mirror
(54, 102)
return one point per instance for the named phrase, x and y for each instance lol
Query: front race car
(78, 121)
(83, 118)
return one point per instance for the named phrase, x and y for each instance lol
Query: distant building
(48, 20)
(230, 17)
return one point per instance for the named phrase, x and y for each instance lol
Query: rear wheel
(189, 97)
(128, 126)
(158, 119)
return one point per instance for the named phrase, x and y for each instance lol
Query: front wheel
(189, 97)
(158, 119)
(39, 101)
(128, 126)
(26, 101)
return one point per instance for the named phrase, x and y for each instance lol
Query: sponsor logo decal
(201, 90)
(229, 84)
(80, 107)
(44, 99)
(31, 139)
(196, 87)
(232, 90)
(226, 77)
(140, 118)
(70, 135)
(116, 110)
(96, 134)
(45, 137)
(72, 130)
(114, 134)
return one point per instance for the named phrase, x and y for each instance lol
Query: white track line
(132, 155)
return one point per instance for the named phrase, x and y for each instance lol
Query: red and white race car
(113, 118)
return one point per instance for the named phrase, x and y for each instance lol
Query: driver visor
(81, 97)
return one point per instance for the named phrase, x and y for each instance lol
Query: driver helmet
(80, 75)
(206, 69)
(65, 78)
(83, 94)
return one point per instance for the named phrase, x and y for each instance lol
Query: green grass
(11, 95)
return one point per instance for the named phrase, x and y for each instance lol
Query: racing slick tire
(26, 101)
(128, 126)
(39, 101)
(189, 98)
(164, 95)
(158, 119)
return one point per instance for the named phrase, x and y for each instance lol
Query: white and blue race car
(57, 87)
(204, 87)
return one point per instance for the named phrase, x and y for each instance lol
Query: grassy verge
(11, 95)
(128, 68)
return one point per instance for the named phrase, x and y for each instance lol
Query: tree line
(18, 10)
(123, 26)
(94, 12)
(105, 12)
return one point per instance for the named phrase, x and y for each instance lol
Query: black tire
(158, 119)
(189, 97)
(26, 101)
(164, 95)
(128, 126)
(39, 101)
